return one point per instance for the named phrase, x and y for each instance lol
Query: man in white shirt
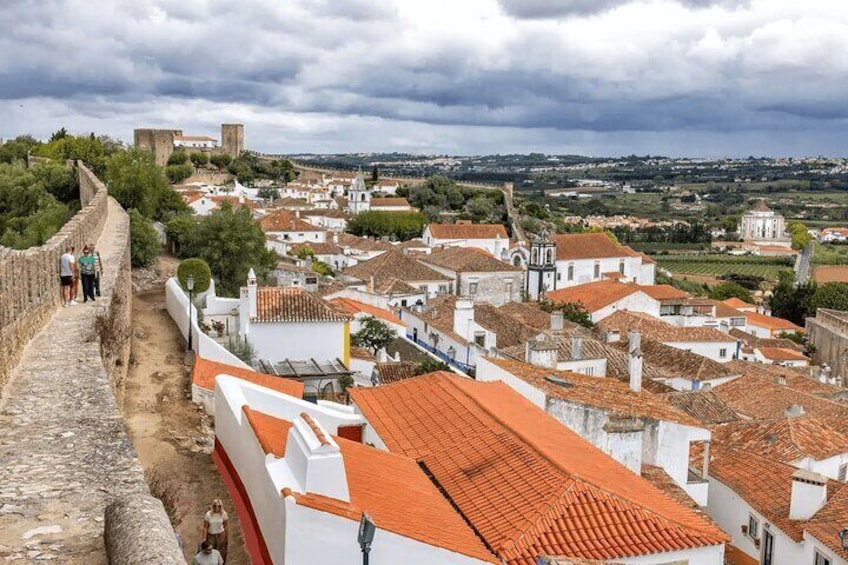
(66, 276)
(207, 556)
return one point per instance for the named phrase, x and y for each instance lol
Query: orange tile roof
(572, 246)
(593, 296)
(737, 303)
(467, 260)
(394, 265)
(607, 394)
(785, 439)
(468, 231)
(826, 524)
(657, 330)
(393, 202)
(293, 304)
(663, 292)
(527, 484)
(703, 405)
(204, 372)
(391, 488)
(782, 354)
(353, 307)
(395, 371)
(771, 323)
(286, 221)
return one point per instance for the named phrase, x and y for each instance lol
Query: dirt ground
(172, 436)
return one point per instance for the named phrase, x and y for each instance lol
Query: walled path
(64, 449)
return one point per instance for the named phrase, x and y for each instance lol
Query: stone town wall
(828, 333)
(29, 279)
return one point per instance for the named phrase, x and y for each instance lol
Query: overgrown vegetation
(796, 302)
(241, 348)
(401, 226)
(247, 167)
(570, 311)
(144, 241)
(374, 334)
(439, 194)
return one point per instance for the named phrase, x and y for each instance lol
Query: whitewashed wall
(298, 340)
(709, 555)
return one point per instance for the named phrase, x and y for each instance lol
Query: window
(843, 471)
(480, 339)
(597, 274)
(753, 527)
(443, 289)
(571, 271)
(559, 276)
(509, 288)
(722, 353)
(472, 288)
(311, 280)
(821, 559)
(621, 267)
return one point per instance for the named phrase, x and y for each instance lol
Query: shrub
(199, 270)
(199, 159)
(144, 241)
(178, 157)
(241, 348)
(222, 161)
(178, 173)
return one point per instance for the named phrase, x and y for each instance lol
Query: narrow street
(172, 436)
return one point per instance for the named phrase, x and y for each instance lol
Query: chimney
(315, 459)
(542, 352)
(794, 411)
(557, 321)
(809, 494)
(576, 348)
(612, 336)
(634, 364)
(463, 316)
(251, 293)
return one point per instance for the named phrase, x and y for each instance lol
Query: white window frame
(722, 352)
(753, 527)
(821, 559)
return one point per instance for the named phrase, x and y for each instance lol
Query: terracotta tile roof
(572, 246)
(593, 296)
(362, 353)
(527, 484)
(393, 202)
(737, 303)
(340, 214)
(795, 378)
(705, 406)
(663, 292)
(416, 243)
(658, 330)
(468, 231)
(394, 287)
(204, 372)
(285, 221)
(771, 323)
(194, 138)
(786, 439)
(292, 304)
(467, 260)
(683, 363)
(755, 341)
(660, 479)
(353, 307)
(826, 524)
(235, 201)
(531, 314)
(326, 248)
(394, 265)
(391, 488)
(606, 394)
(782, 354)
(393, 372)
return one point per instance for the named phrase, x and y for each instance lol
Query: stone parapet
(137, 532)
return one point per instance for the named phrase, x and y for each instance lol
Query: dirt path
(172, 436)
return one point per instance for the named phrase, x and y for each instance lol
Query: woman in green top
(87, 270)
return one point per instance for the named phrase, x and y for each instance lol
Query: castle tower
(541, 269)
(160, 142)
(232, 139)
(358, 196)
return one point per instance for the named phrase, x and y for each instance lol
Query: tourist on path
(215, 528)
(98, 268)
(207, 555)
(75, 267)
(66, 276)
(87, 270)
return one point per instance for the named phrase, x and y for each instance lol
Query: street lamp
(843, 536)
(189, 283)
(367, 528)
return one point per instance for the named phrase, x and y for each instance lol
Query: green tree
(430, 365)
(232, 243)
(375, 173)
(571, 311)
(181, 230)
(85, 148)
(17, 149)
(792, 302)
(397, 225)
(135, 181)
(374, 334)
(831, 295)
(178, 173)
(800, 236)
(29, 213)
(269, 193)
(481, 208)
(199, 159)
(178, 157)
(221, 160)
(199, 270)
(727, 290)
(144, 241)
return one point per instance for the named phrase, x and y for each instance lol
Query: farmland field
(717, 265)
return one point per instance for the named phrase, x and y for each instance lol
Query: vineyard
(718, 265)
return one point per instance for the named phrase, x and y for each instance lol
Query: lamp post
(189, 282)
(367, 528)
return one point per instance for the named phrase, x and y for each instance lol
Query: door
(768, 548)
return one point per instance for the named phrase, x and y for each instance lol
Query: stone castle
(162, 142)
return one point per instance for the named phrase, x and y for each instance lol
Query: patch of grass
(829, 254)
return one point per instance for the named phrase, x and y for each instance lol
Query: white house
(287, 227)
(390, 205)
(195, 141)
(331, 220)
(387, 186)
(491, 238)
(760, 325)
(633, 427)
(529, 486)
(574, 259)
(477, 274)
(302, 479)
(290, 323)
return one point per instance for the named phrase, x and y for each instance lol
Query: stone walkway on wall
(64, 449)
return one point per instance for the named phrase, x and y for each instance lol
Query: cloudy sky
(597, 77)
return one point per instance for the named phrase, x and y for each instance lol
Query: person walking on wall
(207, 555)
(215, 528)
(76, 281)
(66, 276)
(86, 267)
(98, 268)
